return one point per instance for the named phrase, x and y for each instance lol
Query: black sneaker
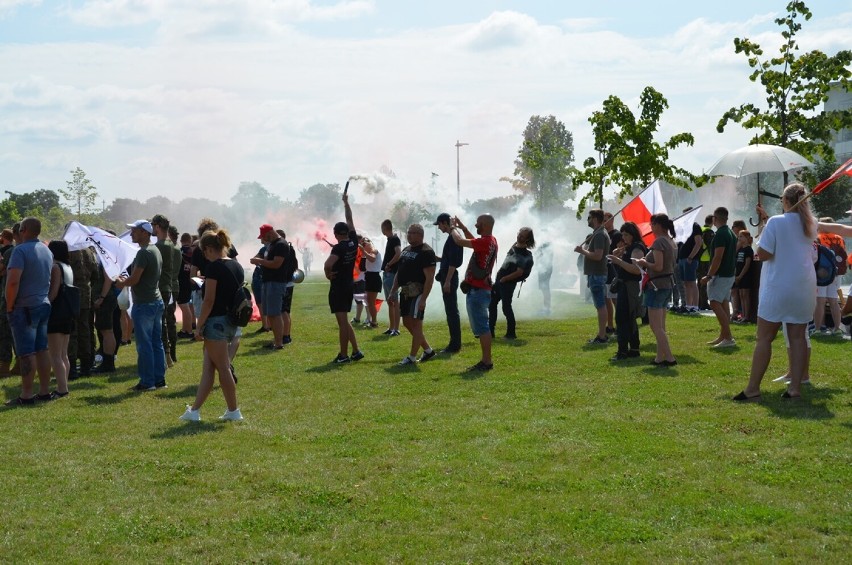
(481, 367)
(450, 350)
(340, 359)
(427, 355)
(143, 388)
(387, 332)
(161, 384)
(357, 356)
(287, 339)
(598, 340)
(610, 331)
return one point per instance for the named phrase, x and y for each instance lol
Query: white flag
(114, 254)
(683, 224)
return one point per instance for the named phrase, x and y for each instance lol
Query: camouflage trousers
(81, 344)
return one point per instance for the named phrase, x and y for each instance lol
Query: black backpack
(241, 307)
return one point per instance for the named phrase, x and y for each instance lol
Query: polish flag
(845, 169)
(642, 207)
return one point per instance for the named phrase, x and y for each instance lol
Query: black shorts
(340, 299)
(184, 295)
(287, 300)
(60, 326)
(374, 282)
(359, 287)
(104, 314)
(410, 306)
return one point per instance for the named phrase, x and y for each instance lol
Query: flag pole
(826, 183)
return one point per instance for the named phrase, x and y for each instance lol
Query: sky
(188, 98)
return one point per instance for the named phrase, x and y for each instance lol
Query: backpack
(241, 307)
(290, 264)
(836, 245)
(825, 265)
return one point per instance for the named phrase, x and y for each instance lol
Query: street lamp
(458, 174)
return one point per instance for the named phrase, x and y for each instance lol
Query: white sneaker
(231, 415)
(725, 343)
(191, 415)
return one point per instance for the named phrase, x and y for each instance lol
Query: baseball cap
(341, 227)
(443, 218)
(142, 224)
(264, 229)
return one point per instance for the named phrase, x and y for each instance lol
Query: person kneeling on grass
(414, 281)
(223, 277)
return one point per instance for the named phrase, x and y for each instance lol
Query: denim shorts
(218, 328)
(273, 298)
(597, 286)
(387, 283)
(29, 329)
(478, 300)
(688, 270)
(657, 298)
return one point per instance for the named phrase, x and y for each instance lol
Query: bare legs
(657, 320)
(57, 346)
(797, 355)
(345, 333)
(418, 339)
(216, 359)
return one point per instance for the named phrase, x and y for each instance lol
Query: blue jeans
(147, 327)
(29, 328)
(597, 286)
(478, 300)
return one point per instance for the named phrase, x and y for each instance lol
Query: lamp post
(458, 173)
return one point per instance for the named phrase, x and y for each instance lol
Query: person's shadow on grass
(190, 429)
(186, 391)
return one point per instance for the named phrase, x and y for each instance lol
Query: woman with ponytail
(222, 277)
(787, 290)
(660, 264)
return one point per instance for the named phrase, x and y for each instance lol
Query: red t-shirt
(485, 255)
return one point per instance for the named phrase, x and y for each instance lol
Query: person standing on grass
(516, 267)
(594, 253)
(223, 276)
(614, 242)
(274, 285)
(414, 282)
(628, 306)
(660, 264)
(147, 310)
(28, 309)
(687, 264)
(184, 300)
(744, 277)
(828, 294)
(172, 261)
(720, 277)
(373, 279)
(7, 245)
(477, 280)
(448, 276)
(787, 290)
(338, 269)
(393, 250)
(60, 323)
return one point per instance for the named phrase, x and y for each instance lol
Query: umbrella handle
(753, 223)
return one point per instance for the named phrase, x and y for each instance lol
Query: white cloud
(8, 6)
(501, 29)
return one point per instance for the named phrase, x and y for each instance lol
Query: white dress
(788, 280)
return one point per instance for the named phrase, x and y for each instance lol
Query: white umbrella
(755, 159)
(758, 158)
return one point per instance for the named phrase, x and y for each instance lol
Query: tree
(628, 155)
(543, 167)
(795, 88)
(8, 213)
(80, 192)
(834, 200)
(323, 200)
(406, 213)
(36, 203)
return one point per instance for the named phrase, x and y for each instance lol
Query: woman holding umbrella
(787, 254)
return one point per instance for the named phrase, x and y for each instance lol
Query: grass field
(557, 455)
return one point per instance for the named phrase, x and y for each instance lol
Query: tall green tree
(796, 85)
(323, 200)
(8, 213)
(628, 155)
(80, 193)
(543, 167)
(36, 203)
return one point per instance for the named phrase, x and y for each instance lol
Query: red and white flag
(845, 169)
(642, 207)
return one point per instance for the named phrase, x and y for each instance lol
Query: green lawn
(554, 456)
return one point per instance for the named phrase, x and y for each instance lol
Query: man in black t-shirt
(273, 271)
(390, 262)
(338, 269)
(414, 282)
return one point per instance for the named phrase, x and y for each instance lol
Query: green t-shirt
(165, 247)
(147, 289)
(599, 240)
(725, 238)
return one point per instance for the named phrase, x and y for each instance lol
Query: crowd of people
(630, 276)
